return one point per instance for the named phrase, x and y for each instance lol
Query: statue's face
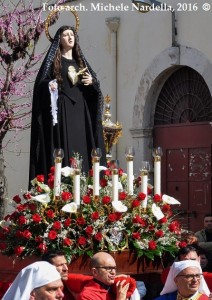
(67, 39)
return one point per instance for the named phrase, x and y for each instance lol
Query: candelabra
(112, 131)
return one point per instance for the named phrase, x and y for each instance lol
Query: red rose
(89, 229)
(136, 235)
(174, 227)
(139, 220)
(80, 221)
(17, 199)
(51, 182)
(22, 220)
(27, 234)
(40, 178)
(38, 239)
(18, 250)
(118, 215)
(163, 220)
(122, 196)
(135, 203)
(151, 227)
(52, 169)
(159, 233)
(67, 222)
(120, 172)
(103, 182)
(39, 189)
(32, 206)
(36, 218)
(50, 213)
(27, 196)
(157, 198)
(19, 234)
(95, 216)
(52, 235)
(112, 217)
(98, 236)
(21, 207)
(56, 225)
(66, 196)
(82, 241)
(91, 172)
(86, 199)
(42, 247)
(67, 242)
(152, 245)
(182, 244)
(166, 208)
(106, 200)
(141, 196)
(149, 191)
(107, 172)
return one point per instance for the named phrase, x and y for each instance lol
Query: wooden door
(186, 169)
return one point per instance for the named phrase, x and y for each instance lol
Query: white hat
(170, 286)
(29, 278)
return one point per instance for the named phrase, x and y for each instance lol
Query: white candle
(115, 191)
(157, 175)
(96, 176)
(57, 176)
(144, 187)
(130, 176)
(76, 186)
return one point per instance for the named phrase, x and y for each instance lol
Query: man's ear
(32, 295)
(93, 271)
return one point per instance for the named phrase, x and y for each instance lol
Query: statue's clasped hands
(87, 78)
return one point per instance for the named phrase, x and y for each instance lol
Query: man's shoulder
(169, 296)
(92, 290)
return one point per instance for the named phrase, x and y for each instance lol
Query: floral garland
(40, 223)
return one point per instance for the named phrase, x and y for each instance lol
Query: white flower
(43, 198)
(169, 200)
(119, 206)
(102, 168)
(70, 207)
(67, 171)
(157, 212)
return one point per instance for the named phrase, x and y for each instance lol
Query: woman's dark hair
(76, 55)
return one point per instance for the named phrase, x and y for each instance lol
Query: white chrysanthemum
(70, 207)
(169, 200)
(119, 206)
(42, 198)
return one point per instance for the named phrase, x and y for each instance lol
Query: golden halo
(52, 13)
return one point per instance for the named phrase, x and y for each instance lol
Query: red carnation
(27, 234)
(106, 200)
(157, 198)
(136, 235)
(98, 236)
(86, 199)
(152, 245)
(159, 233)
(52, 235)
(141, 196)
(40, 178)
(22, 220)
(42, 247)
(95, 216)
(17, 199)
(107, 172)
(80, 221)
(66, 196)
(139, 220)
(82, 241)
(121, 172)
(103, 182)
(112, 217)
(89, 229)
(163, 220)
(36, 218)
(122, 196)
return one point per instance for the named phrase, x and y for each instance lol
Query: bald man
(103, 268)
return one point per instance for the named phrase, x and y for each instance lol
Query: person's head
(203, 254)
(103, 268)
(186, 278)
(190, 239)
(38, 281)
(57, 258)
(188, 252)
(208, 222)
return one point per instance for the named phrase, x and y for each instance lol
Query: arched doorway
(182, 128)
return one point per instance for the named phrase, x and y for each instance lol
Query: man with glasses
(103, 268)
(185, 282)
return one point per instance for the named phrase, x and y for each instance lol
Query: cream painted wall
(140, 39)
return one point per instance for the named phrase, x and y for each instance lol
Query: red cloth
(208, 279)
(164, 275)
(94, 290)
(129, 280)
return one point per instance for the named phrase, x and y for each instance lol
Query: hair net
(29, 278)
(176, 268)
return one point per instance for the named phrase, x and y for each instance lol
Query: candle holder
(96, 154)
(157, 153)
(129, 154)
(58, 155)
(145, 168)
